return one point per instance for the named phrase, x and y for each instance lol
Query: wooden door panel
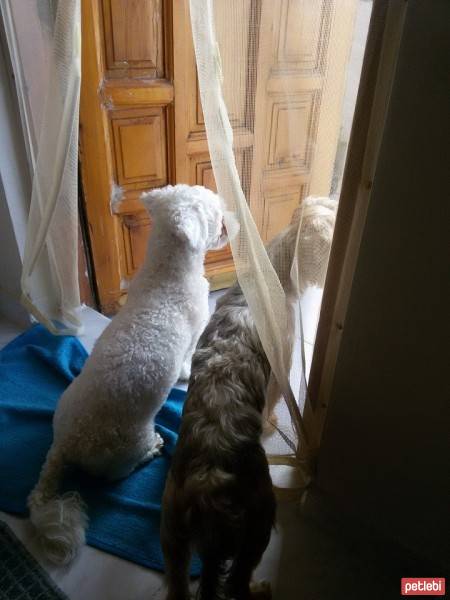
(140, 147)
(302, 35)
(291, 129)
(236, 33)
(219, 263)
(202, 171)
(136, 228)
(134, 38)
(278, 209)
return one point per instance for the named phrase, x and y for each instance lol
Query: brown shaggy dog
(218, 499)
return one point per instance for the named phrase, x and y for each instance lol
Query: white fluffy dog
(104, 421)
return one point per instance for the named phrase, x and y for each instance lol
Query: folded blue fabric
(124, 517)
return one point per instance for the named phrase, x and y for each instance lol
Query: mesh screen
(271, 76)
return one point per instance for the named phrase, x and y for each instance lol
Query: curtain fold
(45, 42)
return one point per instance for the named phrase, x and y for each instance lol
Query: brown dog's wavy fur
(218, 498)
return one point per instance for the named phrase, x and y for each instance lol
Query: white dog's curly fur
(104, 421)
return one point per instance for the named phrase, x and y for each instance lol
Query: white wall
(385, 452)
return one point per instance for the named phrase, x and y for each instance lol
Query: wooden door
(142, 124)
(126, 131)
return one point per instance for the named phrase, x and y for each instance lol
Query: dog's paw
(155, 449)
(157, 445)
(260, 590)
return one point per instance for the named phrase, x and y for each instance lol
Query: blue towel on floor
(35, 369)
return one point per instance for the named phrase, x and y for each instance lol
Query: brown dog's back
(219, 500)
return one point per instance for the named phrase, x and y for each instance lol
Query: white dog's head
(194, 214)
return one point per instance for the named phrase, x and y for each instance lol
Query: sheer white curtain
(44, 38)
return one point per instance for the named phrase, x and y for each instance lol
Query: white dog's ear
(190, 227)
(151, 200)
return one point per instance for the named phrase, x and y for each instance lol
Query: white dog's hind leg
(141, 454)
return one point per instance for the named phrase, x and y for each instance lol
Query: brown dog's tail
(213, 513)
(207, 486)
(213, 520)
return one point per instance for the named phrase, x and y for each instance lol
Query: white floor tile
(310, 305)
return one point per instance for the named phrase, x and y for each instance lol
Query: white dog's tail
(60, 521)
